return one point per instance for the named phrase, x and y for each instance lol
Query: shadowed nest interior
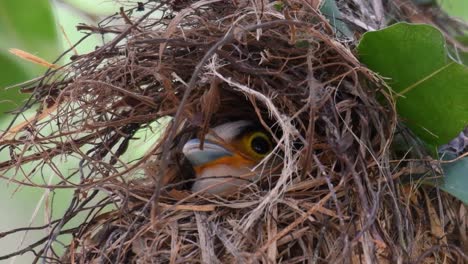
(334, 190)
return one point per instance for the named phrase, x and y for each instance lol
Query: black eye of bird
(260, 145)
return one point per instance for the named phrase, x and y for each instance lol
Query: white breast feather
(222, 184)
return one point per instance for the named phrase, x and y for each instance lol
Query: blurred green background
(42, 27)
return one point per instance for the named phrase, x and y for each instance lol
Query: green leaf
(10, 73)
(432, 87)
(330, 10)
(455, 180)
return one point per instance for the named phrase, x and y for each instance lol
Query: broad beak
(211, 152)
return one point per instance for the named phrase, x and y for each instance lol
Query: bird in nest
(228, 157)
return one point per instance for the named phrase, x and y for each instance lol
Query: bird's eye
(260, 144)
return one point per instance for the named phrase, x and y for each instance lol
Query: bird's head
(229, 153)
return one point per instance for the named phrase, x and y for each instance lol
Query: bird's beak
(211, 151)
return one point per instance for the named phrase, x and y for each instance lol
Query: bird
(229, 154)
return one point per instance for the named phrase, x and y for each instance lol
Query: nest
(334, 190)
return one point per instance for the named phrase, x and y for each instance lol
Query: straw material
(334, 190)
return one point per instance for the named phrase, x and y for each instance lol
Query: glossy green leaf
(432, 88)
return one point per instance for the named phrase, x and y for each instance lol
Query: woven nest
(334, 190)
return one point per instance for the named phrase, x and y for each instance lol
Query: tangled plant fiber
(330, 192)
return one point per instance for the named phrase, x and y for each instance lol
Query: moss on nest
(334, 194)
